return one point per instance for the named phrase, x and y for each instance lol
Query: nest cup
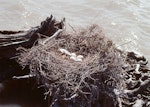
(90, 81)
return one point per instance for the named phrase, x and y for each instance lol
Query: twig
(143, 86)
(117, 93)
(13, 43)
(73, 96)
(53, 102)
(137, 68)
(72, 28)
(119, 101)
(138, 103)
(51, 37)
(23, 77)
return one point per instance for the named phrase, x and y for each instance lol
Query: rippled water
(124, 21)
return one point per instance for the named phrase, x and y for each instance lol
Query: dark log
(11, 40)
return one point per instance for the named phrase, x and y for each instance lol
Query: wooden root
(10, 41)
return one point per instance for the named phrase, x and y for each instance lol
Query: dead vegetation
(98, 79)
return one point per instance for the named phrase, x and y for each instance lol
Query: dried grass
(65, 79)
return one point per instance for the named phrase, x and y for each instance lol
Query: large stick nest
(100, 74)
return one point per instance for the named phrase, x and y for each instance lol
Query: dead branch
(11, 41)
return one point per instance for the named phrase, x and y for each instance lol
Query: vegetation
(78, 69)
(105, 76)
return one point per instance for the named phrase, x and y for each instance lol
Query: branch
(142, 87)
(23, 77)
(73, 96)
(51, 37)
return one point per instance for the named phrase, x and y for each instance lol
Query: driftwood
(11, 40)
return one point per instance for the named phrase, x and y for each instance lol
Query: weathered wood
(11, 40)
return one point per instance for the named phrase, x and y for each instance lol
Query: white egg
(80, 56)
(78, 59)
(68, 53)
(73, 54)
(64, 51)
(72, 57)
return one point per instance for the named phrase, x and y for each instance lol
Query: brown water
(124, 21)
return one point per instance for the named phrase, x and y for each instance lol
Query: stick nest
(100, 72)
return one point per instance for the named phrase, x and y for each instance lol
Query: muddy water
(126, 22)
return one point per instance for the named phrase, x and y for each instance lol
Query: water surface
(122, 20)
